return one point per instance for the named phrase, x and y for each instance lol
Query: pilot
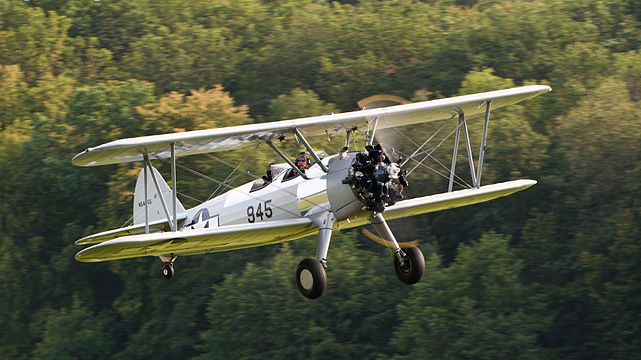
(302, 161)
(272, 172)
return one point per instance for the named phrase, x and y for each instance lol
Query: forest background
(553, 272)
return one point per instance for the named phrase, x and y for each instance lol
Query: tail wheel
(168, 271)
(311, 278)
(411, 270)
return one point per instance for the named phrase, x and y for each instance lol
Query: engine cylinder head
(372, 178)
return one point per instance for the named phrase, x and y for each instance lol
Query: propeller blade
(388, 139)
(380, 240)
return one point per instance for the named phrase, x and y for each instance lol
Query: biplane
(297, 198)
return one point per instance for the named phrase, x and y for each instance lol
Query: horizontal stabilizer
(189, 242)
(155, 226)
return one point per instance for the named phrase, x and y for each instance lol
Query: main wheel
(411, 270)
(168, 271)
(311, 278)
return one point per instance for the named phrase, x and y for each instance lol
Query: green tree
(39, 44)
(477, 308)
(116, 25)
(12, 99)
(187, 57)
(298, 103)
(349, 321)
(599, 139)
(77, 333)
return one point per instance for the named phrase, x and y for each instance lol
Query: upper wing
(202, 141)
(454, 199)
(189, 242)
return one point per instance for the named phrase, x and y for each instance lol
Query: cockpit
(273, 170)
(302, 163)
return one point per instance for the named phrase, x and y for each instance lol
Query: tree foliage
(477, 308)
(549, 273)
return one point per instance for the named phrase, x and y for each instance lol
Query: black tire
(168, 271)
(311, 278)
(413, 266)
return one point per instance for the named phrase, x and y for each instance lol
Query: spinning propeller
(380, 240)
(386, 138)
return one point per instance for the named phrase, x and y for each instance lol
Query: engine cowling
(366, 180)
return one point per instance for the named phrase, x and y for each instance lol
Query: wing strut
(456, 140)
(269, 142)
(370, 139)
(476, 179)
(311, 151)
(470, 157)
(488, 105)
(172, 224)
(174, 193)
(348, 133)
(145, 157)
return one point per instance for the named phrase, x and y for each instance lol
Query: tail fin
(156, 211)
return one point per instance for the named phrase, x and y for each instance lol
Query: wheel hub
(306, 279)
(405, 265)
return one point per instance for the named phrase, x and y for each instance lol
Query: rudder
(154, 203)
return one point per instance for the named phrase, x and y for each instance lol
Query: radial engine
(370, 178)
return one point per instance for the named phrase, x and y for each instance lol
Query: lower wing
(230, 237)
(189, 242)
(443, 201)
(454, 199)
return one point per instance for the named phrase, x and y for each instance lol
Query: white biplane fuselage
(283, 198)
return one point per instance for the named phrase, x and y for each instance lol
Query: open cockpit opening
(273, 171)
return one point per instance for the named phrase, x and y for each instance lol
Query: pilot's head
(272, 172)
(302, 161)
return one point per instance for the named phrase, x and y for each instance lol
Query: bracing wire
(420, 147)
(189, 197)
(227, 181)
(130, 220)
(462, 183)
(429, 155)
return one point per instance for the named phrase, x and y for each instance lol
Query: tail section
(153, 202)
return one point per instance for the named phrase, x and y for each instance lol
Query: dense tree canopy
(552, 272)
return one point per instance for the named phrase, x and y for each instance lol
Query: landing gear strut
(409, 263)
(311, 277)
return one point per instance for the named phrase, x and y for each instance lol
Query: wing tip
(80, 258)
(79, 159)
(521, 184)
(87, 240)
(535, 89)
(528, 183)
